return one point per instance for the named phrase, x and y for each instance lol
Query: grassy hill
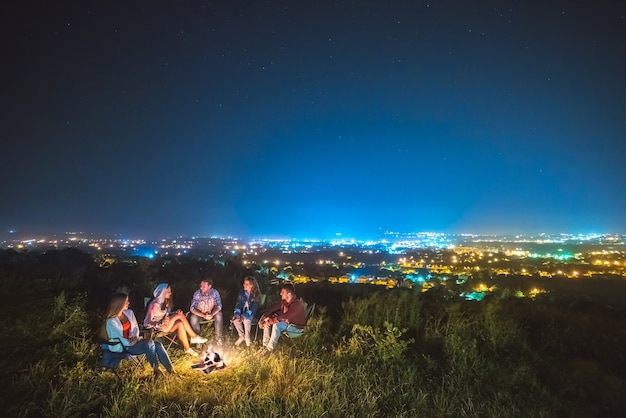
(368, 352)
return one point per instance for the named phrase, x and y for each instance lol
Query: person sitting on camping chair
(246, 307)
(206, 305)
(121, 332)
(161, 318)
(287, 316)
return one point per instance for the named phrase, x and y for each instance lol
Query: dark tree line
(71, 270)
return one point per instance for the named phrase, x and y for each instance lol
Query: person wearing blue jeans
(206, 305)
(287, 316)
(246, 308)
(122, 334)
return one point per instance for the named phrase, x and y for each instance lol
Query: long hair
(159, 296)
(255, 293)
(167, 303)
(115, 307)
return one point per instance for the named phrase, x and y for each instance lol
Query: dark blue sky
(307, 119)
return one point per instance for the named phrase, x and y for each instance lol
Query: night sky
(308, 119)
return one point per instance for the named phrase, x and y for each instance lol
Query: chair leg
(171, 341)
(136, 362)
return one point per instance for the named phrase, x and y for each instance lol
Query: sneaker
(198, 340)
(239, 341)
(191, 352)
(248, 342)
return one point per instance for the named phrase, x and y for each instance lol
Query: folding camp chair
(254, 328)
(169, 338)
(255, 321)
(111, 359)
(309, 312)
(308, 308)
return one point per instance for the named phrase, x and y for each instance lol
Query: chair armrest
(146, 333)
(114, 341)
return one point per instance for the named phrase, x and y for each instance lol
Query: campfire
(209, 361)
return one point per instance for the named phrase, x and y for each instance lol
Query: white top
(155, 315)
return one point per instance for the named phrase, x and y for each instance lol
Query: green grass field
(393, 353)
(367, 352)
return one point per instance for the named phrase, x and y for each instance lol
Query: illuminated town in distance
(473, 264)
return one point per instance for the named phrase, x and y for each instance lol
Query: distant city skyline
(385, 236)
(308, 119)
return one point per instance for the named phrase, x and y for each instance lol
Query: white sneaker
(239, 341)
(191, 352)
(198, 340)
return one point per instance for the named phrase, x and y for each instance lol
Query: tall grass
(392, 353)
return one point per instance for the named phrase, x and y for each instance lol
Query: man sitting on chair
(206, 305)
(287, 316)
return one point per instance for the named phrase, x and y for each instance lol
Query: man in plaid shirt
(206, 305)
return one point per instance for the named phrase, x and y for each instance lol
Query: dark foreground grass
(392, 353)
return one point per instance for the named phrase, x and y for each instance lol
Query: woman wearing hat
(160, 317)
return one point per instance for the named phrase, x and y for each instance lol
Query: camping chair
(309, 312)
(255, 321)
(254, 328)
(169, 338)
(111, 360)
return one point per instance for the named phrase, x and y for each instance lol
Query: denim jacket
(246, 307)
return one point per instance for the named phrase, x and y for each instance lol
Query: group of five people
(121, 330)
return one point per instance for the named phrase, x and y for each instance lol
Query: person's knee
(194, 322)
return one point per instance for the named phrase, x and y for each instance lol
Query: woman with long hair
(121, 333)
(246, 308)
(161, 318)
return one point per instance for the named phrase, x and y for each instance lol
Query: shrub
(375, 345)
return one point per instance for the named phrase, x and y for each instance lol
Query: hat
(158, 292)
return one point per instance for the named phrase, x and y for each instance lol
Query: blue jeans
(271, 335)
(243, 328)
(154, 351)
(218, 321)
